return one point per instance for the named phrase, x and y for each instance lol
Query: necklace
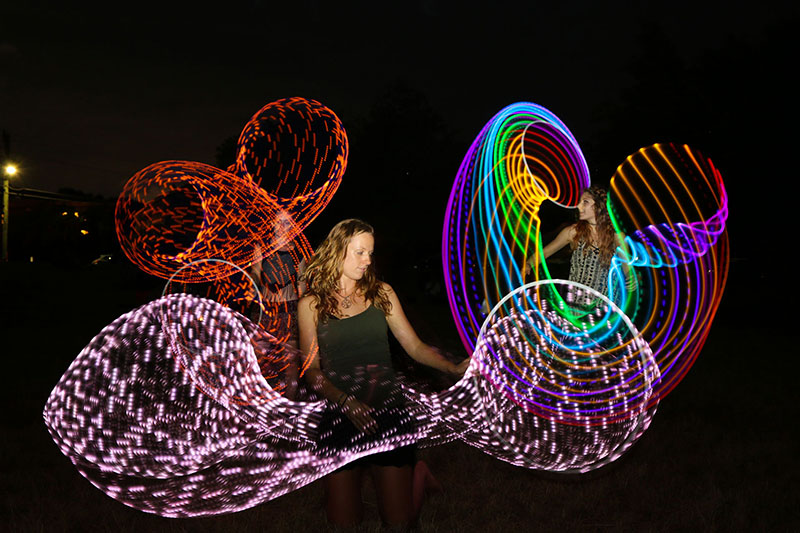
(346, 301)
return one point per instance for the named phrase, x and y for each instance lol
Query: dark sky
(90, 96)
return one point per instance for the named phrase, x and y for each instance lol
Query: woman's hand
(358, 413)
(460, 368)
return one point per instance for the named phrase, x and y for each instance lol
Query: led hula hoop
(295, 149)
(175, 212)
(196, 224)
(171, 410)
(557, 396)
(203, 363)
(672, 204)
(550, 346)
(522, 157)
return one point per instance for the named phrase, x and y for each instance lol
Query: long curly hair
(323, 273)
(605, 229)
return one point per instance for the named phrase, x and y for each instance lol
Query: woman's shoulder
(308, 302)
(385, 287)
(389, 296)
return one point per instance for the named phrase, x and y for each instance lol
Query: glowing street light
(8, 171)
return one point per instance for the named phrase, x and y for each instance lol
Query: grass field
(720, 455)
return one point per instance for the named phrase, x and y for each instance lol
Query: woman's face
(586, 208)
(283, 227)
(358, 256)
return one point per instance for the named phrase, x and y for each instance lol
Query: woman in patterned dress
(592, 239)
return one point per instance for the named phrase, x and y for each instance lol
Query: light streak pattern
(167, 410)
(200, 226)
(558, 395)
(279, 362)
(175, 213)
(522, 157)
(296, 149)
(672, 204)
(171, 410)
(178, 213)
(668, 277)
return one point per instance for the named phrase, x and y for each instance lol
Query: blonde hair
(605, 229)
(323, 273)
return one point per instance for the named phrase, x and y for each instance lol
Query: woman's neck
(593, 233)
(346, 285)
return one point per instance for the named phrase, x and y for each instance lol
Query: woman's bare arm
(562, 239)
(301, 282)
(411, 343)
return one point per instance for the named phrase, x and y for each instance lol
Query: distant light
(10, 170)
(84, 232)
(31, 259)
(76, 214)
(64, 214)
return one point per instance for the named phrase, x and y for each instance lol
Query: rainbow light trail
(667, 201)
(522, 157)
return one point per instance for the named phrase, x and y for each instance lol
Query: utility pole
(8, 170)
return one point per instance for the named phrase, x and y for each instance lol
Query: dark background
(90, 95)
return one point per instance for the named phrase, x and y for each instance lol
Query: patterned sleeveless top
(588, 268)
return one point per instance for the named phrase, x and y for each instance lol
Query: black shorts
(405, 456)
(338, 435)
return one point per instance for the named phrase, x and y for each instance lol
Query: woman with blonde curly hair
(343, 319)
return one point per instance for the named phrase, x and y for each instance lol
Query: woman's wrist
(450, 367)
(342, 399)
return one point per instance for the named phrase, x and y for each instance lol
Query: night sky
(90, 96)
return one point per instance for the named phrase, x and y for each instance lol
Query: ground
(719, 455)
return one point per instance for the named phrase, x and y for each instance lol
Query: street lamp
(9, 171)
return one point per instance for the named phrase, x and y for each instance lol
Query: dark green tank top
(354, 355)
